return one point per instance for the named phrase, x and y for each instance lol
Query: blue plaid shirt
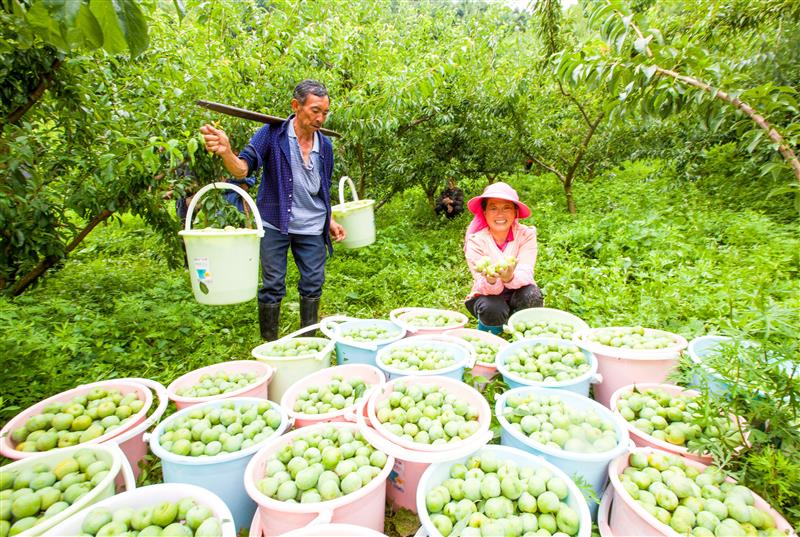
(269, 149)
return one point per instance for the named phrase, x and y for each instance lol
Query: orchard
(656, 392)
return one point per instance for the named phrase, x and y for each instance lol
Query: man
(451, 201)
(293, 199)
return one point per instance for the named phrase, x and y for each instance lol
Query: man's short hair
(306, 87)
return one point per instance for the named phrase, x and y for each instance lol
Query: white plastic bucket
(317, 530)
(544, 314)
(579, 384)
(357, 217)
(439, 472)
(151, 496)
(371, 375)
(364, 507)
(480, 369)
(404, 316)
(357, 352)
(223, 265)
(620, 367)
(628, 518)
(411, 459)
(593, 467)
(263, 372)
(463, 351)
(125, 386)
(106, 488)
(290, 369)
(221, 474)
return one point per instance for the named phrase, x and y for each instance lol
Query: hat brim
(474, 205)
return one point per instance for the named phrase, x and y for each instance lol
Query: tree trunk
(49, 261)
(570, 198)
(362, 180)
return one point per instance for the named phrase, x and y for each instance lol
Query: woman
(501, 254)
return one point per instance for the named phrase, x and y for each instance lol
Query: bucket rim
(316, 355)
(484, 336)
(353, 205)
(8, 448)
(398, 315)
(515, 454)
(220, 233)
(267, 372)
(277, 443)
(561, 315)
(484, 414)
(623, 436)
(288, 404)
(207, 460)
(674, 351)
(589, 375)
(615, 467)
(339, 326)
(416, 341)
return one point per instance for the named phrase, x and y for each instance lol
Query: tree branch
(403, 128)
(584, 146)
(44, 83)
(574, 100)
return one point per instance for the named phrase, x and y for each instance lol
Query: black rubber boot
(309, 310)
(269, 316)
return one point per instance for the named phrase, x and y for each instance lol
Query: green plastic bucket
(357, 217)
(223, 265)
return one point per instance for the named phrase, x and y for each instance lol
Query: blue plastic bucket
(593, 467)
(437, 473)
(579, 385)
(358, 352)
(222, 474)
(463, 351)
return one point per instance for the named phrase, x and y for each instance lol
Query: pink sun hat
(501, 191)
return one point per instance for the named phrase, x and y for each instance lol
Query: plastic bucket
(620, 367)
(463, 351)
(642, 439)
(703, 375)
(221, 474)
(404, 317)
(132, 441)
(364, 507)
(411, 458)
(544, 314)
(603, 512)
(357, 217)
(7, 445)
(290, 369)
(223, 265)
(579, 384)
(120, 469)
(593, 467)
(258, 389)
(357, 352)
(151, 496)
(318, 530)
(437, 473)
(371, 375)
(480, 369)
(628, 518)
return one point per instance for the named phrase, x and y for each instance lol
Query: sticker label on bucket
(395, 477)
(201, 267)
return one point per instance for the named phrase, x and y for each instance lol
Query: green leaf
(90, 29)
(754, 142)
(48, 29)
(641, 44)
(123, 25)
(649, 71)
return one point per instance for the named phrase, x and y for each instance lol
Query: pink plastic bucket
(412, 459)
(132, 442)
(620, 367)
(628, 518)
(603, 512)
(371, 375)
(318, 530)
(151, 496)
(258, 389)
(403, 317)
(7, 445)
(364, 507)
(480, 369)
(642, 439)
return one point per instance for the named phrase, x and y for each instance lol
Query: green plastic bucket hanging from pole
(223, 265)
(357, 217)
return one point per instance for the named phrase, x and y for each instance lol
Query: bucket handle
(466, 345)
(310, 328)
(395, 314)
(352, 189)
(324, 517)
(421, 532)
(163, 400)
(242, 193)
(326, 329)
(597, 378)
